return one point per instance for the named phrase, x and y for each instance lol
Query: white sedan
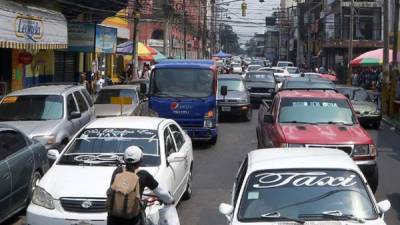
(302, 186)
(74, 189)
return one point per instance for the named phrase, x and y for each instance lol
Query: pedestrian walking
(145, 72)
(126, 189)
(83, 81)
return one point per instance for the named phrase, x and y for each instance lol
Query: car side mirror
(384, 206)
(143, 88)
(53, 154)
(226, 209)
(268, 118)
(74, 115)
(224, 90)
(176, 157)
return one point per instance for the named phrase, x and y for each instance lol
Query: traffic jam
(314, 163)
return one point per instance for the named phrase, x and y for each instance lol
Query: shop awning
(31, 27)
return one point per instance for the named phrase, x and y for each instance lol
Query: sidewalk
(391, 122)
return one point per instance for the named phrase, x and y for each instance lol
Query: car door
(83, 108)
(21, 164)
(72, 107)
(237, 185)
(182, 168)
(5, 181)
(89, 101)
(170, 148)
(267, 129)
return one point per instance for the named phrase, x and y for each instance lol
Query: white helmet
(133, 154)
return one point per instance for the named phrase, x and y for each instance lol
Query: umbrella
(157, 57)
(372, 58)
(143, 50)
(222, 54)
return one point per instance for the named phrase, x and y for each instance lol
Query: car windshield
(304, 194)
(356, 94)
(253, 67)
(258, 62)
(316, 110)
(292, 69)
(192, 83)
(260, 77)
(284, 64)
(232, 84)
(312, 75)
(41, 107)
(309, 84)
(112, 96)
(91, 144)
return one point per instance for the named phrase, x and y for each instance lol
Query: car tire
(376, 125)
(373, 180)
(213, 140)
(188, 192)
(36, 176)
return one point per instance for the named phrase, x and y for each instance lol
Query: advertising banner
(106, 39)
(81, 37)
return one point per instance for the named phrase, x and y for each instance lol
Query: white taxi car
(302, 186)
(74, 189)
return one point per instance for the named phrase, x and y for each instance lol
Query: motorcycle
(158, 213)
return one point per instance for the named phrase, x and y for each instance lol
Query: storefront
(28, 37)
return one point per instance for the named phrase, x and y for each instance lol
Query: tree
(229, 40)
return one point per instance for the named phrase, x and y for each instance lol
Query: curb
(391, 123)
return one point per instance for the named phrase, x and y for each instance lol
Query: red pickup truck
(317, 118)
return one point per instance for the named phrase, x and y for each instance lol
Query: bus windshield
(192, 83)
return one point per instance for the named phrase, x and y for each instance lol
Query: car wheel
(36, 176)
(213, 140)
(376, 125)
(188, 193)
(248, 115)
(373, 180)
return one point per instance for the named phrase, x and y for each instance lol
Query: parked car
(236, 100)
(50, 114)
(82, 172)
(118, 100)
(317, 119)
(307, 83)
(366, 109)
(22, 163)
(302, 186)
(293, 71)
(284, 64)
(261, 85)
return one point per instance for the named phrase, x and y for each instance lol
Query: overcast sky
(254, 22)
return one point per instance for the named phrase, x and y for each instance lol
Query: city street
(215, 168)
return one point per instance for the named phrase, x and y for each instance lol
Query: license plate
(225, 109)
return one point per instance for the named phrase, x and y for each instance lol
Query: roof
(260, 72)
(46, 90)
(307, 82)
(299, 158)
(121, 86)
(230, 76)
(133, 122)
(192, 64)
(310, 94)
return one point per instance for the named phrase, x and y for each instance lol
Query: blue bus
(185, 91)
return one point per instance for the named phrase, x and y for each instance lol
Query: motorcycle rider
(132, 157)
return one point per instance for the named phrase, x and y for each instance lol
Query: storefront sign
(81, 37)
(30, 27)
(155, 43)
(25, 58)
(106, 39)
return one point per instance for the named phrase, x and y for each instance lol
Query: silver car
(50, 114)
(118, 100)
(22, 163)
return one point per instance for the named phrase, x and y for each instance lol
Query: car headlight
(41, 198)
(361, 150)
(45, 139)
(209, 118)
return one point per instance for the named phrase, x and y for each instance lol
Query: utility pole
(395, 71)
(204, 39)
(350, 50)
(184, 28)
(134, 15)
(385, 89)
(167, 13)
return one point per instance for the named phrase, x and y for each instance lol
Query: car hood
(34, 128)
(251, 84)
(363, 106)
(325, 134)
(103, 110)
(335, 222)
(80, 181)
(233, 95)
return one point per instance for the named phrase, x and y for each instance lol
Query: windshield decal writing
(118, 133)
(315, 104)
(11, 99)
(308, 179)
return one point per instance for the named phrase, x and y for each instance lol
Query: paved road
(215, 168)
